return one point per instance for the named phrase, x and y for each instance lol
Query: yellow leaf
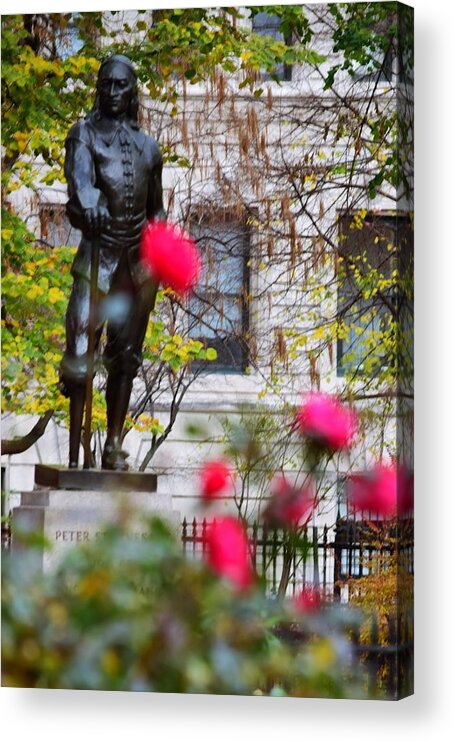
(34, 292)
(55, 295)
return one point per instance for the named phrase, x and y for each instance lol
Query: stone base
(66, 518)
(60, 477)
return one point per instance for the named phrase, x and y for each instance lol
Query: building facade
(273, 179)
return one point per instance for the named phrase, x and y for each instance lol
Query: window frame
(282, 75)
(396, 220)
(232, 351)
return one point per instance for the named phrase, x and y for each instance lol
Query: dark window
(56, 229)
(218, 314)
(269, 25)
(370, 290)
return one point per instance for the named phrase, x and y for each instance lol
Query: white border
(73, 715)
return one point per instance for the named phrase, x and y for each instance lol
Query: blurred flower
(325, 420)
(228, 552)
(321, 655)
(115, 307)
(308, 600)
(214, 478)
(289, 505)
(171, 257)
(377, 490)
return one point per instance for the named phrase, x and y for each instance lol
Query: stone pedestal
(69, 516)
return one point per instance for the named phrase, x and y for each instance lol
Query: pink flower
(375, 491)
(228, 552)
(308, 600)
(214, 478)
(325, 420)
(170, 257)
(289, 505)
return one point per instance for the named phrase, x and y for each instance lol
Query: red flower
(171, 258)
(214, 478)
(325, 420)
(289, 505)
(375, 491)
(308, 600)
(228, 552)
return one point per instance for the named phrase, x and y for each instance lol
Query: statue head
(116, 89)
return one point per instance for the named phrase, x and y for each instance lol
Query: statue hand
(96, 219)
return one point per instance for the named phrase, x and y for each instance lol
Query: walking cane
(92, 319)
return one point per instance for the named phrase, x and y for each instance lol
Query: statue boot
(118, 394)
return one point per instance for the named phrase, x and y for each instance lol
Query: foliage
(346, 148)
(131, 613)
(287, 166)
(365, 32)
(35, 290)
(281, 468)
(45, 87)
(372, 38)
(40, 101)
(385, 594)
(191, 44)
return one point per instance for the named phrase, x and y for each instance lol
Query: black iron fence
(275, 558)
(319, 557)
(389, 663)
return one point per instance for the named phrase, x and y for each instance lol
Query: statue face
(115, 89)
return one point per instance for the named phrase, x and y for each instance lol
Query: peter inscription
(69, 536)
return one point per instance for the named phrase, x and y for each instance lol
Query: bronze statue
(113, 170)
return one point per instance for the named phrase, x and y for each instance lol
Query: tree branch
(18, 445)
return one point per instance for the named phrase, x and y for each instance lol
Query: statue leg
(123, 356)
(77, 403)
(118, 392)
(73, 369)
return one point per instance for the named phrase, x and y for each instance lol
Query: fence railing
(271, 554)
(389, 666)
(324, 558)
